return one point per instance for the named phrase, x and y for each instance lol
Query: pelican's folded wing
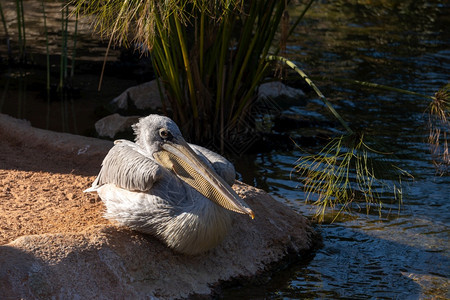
(221, 165)
(127, 166)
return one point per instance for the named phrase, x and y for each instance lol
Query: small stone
(143, 96)
(111, 125)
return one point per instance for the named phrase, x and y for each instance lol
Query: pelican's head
(162, 139)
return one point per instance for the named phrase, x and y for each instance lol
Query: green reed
(21, 29)
(64, 37)
(47, 52)
(210, 55)
(74, 48)
(5, 28)
(439, 129)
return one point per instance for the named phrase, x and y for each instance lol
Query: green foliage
(21, 29)
(47, 52)
(210, 55)
(348, 171)
(439, 127)
(129, 22)
(5, 28)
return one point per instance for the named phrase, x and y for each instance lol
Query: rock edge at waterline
(108, 262)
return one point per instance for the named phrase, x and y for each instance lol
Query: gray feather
(127, 167)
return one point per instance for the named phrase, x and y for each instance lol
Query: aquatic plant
(210, 55)
(64, 37)
(64, 76)
(346, 170)
(24, 59)
(439, 129)
(5, 28)
(47, 52)
(21, 30)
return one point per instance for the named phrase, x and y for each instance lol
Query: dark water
(404, 254)
(80, 105)
(399, 254)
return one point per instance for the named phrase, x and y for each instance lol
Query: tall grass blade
(74, 49)
(7, 37)
(63, 57)
(5, 28)
(439, 129)
(20, 29)
(47, 52)
(24, 36)
(315, 88)
(114, 29)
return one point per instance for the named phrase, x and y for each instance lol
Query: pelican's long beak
(178, 157)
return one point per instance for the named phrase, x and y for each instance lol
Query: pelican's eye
(165, 134)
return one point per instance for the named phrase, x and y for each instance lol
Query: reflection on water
(404, 253)
(89, 46)
(75, 108)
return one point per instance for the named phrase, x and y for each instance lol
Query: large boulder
(109, 262)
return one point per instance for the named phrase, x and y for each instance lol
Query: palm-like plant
(210, 55)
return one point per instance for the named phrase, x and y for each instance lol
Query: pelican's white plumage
(146, 192)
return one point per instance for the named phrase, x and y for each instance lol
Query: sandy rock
(20, 131)
(102, 261)
(105, 262)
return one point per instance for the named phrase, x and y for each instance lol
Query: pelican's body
(162, 186)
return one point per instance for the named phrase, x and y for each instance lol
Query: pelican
(163, 186)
